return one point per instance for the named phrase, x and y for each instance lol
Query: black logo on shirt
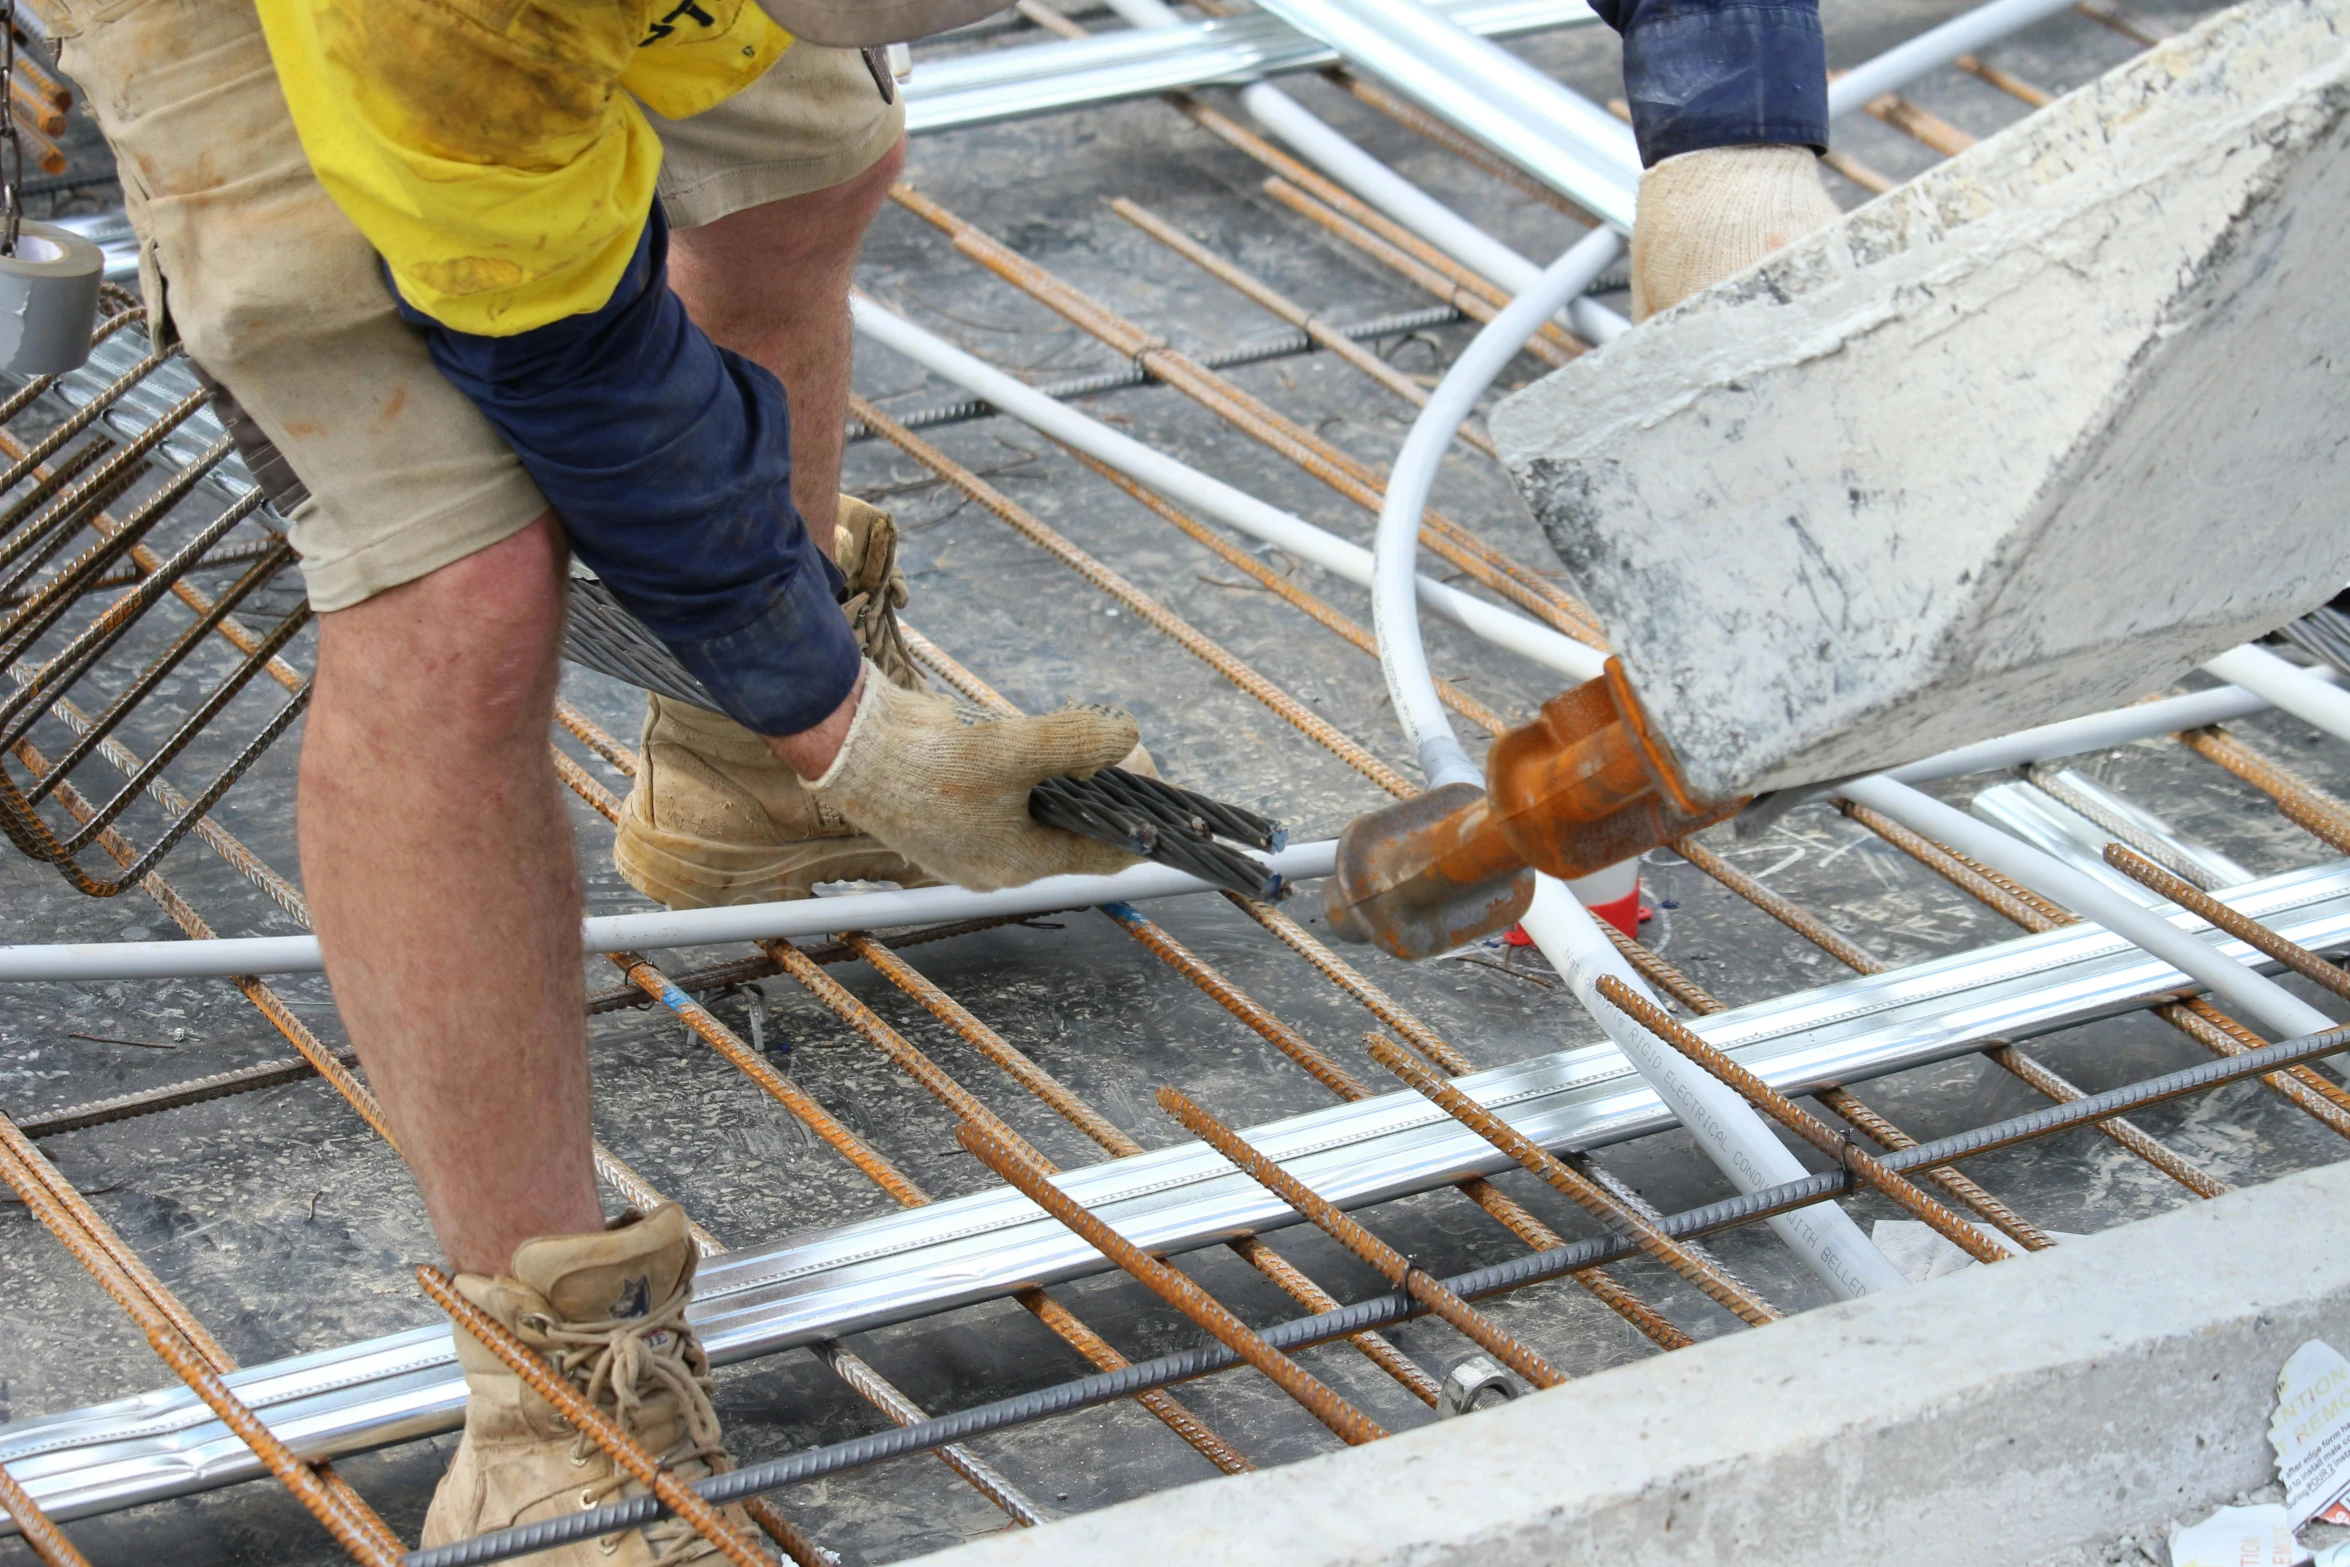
(668, 24)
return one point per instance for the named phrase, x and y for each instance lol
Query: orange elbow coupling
(1584, 786)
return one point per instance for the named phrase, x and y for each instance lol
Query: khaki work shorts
(247, 260)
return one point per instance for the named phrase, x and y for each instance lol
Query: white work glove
(947, 787)
(1707, 214)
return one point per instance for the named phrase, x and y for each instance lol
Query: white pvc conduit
(800, 917)
(2092, 732)
(1732, 1135)
(1394, 610)
(1415, 209)
(2298, 691)
(1189, 487)
(1966, 33)
(2266, 1000)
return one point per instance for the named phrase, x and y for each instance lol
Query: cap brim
(860, 24)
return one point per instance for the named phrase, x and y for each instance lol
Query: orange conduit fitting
(589, 1421)
(1384, 1259)
(1904, 1192)
(1583, 787)
(1348, 1423)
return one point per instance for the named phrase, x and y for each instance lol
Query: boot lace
(624, 1365)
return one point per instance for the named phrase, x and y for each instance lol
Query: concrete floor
(287, 1227)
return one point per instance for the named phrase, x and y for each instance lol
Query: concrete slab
(2061, 417)
(2001, 1414)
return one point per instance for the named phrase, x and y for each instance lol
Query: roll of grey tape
(48, 300)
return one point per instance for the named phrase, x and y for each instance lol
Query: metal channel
(982, 1247)
(1017, 83)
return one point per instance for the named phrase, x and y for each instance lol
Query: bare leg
(443, 883)
(772, 283)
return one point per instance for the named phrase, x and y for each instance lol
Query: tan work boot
(715, 819)
(608, 1311)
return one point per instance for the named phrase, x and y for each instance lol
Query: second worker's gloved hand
(1707, 214)
(949, 789)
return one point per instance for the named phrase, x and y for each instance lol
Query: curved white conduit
(1187, 486)
(1732, 1135)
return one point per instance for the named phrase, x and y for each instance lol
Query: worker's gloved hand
(947, 787)
(1707, 214)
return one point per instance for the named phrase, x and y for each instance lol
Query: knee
(788, 240)
(467, 652)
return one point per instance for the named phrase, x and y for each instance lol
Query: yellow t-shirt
(493, 151)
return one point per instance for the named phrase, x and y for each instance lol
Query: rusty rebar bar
(1149, 610)
(1280, 306)
(354, 1526)
(1575, 1186)
(1383, 1259)
(967, 1107)
(1474, 153)
(1785, 910)
(1551, 343)
(2007, 82)
(1012, 1061)
(1282, 586)
(898, 1409)
(589, 1421)
(868, 1160)
(1258, 1019)
(2028, 909)
(1449, 282)
(1348, 1423)
(2214, 1028)
(2314, 810)
(1355, 983)
(35, 1528)
(1355, 480)
(1903, 1192)
(1922, 126)
(1952, 1180)
(1844, 1102)
(1115, 1142)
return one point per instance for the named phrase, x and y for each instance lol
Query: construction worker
(451, 261)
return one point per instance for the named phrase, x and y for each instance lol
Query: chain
(11, 148)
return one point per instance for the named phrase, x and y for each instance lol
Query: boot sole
(684, 872)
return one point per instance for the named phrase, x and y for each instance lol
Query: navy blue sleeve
(669, 460)
(1721, 73)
